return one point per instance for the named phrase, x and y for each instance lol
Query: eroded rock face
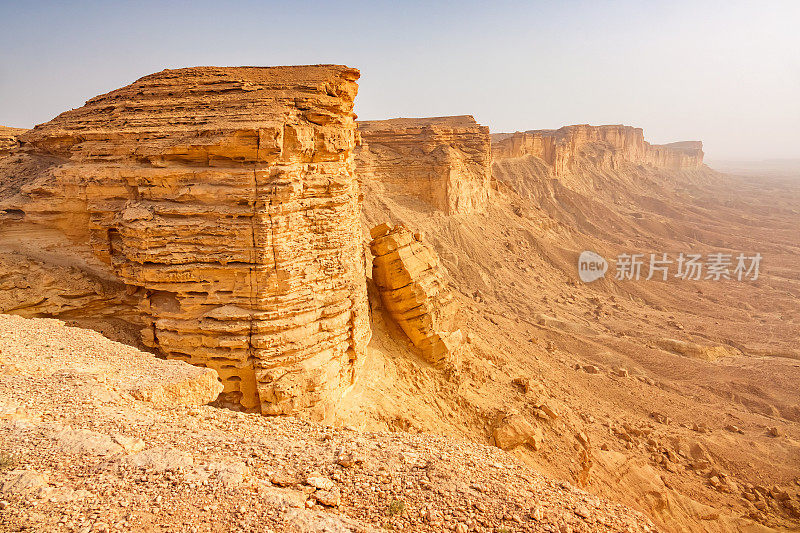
(224, 202)
(606, 146)
(8, 138)
(407, 275)
(443, 161)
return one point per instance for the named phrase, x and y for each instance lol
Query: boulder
(517, 430)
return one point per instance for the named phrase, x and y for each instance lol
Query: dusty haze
(724, 72)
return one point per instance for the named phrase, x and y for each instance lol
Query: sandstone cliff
(606, 146)
(443, 161)
(8, 138)
(218, 210)
(407, 274)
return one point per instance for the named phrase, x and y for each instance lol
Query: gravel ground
(80, 452)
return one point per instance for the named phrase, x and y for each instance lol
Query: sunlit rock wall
(223, 203)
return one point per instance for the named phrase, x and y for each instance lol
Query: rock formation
(607, 146)
(8, 138)
(515, 430)
(406, 273)
(443, 161)
(219, 208)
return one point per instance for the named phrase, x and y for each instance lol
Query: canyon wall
(606, 146)
(444, 162)
(219, 208)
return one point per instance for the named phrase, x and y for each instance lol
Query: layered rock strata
(224, 201)
(607, 146)
(443, 161)
(8, 139)
(407, 274)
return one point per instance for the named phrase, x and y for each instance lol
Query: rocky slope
(443, 162)
(673, 396)
(83, 451)
(213, 209)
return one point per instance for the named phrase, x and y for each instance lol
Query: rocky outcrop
(220, 208)
(8, 138)
(707, 352)
(443, 161)
(407, 274)
(515, 430)
(607, 147)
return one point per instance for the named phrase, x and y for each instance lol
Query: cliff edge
(607, 147)
(444, 162)
(212, 211)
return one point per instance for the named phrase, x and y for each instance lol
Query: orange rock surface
(406, 272)
(225, 202)
(443, 161)
(8, 138)
(214, 215)
(607, 146)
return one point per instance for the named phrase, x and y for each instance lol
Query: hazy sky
(726, 72)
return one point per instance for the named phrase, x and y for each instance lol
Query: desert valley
(229, 305)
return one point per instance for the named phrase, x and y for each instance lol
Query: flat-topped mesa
(681, 154)
(8, 138)
(605, 146)
(226, 200)
(443, 161)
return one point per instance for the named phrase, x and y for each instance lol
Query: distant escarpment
(444, 162)
(216, 211)
(606, 147)
(8, 138)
